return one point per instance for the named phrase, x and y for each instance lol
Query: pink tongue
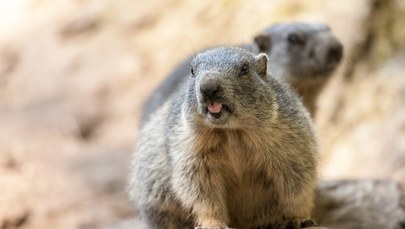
(215, 107)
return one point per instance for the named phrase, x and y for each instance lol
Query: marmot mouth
(217, 108)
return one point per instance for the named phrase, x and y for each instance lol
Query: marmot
(233, 147)
(302, 54)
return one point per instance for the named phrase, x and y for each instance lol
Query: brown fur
(252, 166)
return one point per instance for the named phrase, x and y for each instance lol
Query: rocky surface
(363, 129)
(360, 204)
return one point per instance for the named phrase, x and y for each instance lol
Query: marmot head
(300, 52)
(228, 86)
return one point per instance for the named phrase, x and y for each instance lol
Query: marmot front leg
(200, 187)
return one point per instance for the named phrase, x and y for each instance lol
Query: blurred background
(74, 74)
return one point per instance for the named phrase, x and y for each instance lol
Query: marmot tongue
(215, 107)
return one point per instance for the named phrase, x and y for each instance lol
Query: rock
(362, 132)
(360, 204)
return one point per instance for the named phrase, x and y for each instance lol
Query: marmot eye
(293, 38)
(192, 71)
(244, 70)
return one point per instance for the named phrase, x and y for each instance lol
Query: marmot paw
(290, 224)
(295, 224)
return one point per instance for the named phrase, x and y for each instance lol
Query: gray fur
(305, 63)
(306, 67)
(252, 165)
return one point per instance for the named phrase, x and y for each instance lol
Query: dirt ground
(74, 74)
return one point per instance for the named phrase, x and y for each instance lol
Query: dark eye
(192, 71)
(244, 69)
(294, 39)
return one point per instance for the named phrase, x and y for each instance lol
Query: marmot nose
(335, 53)
(211, 90)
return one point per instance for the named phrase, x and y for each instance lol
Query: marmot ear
(263, 42)
(261, 61)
